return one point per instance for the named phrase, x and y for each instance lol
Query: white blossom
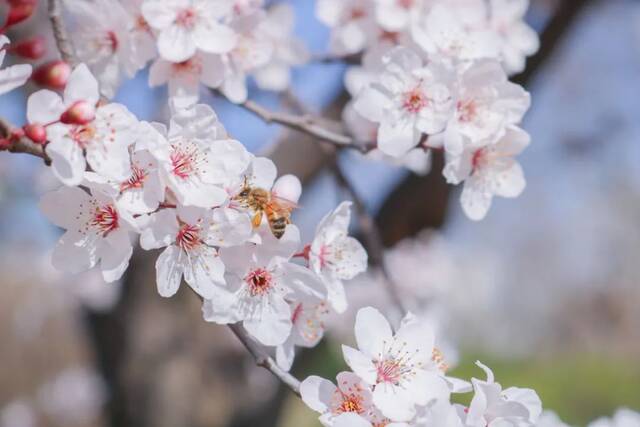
(488, 170)
(623, 417)
(101, 141)
(336, 256)
(408, 100)
(400, 365)
(492, 406)
(97, 230)
(518, 40)
(185, 26)
(260, 279)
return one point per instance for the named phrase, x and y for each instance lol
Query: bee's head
(244, 193)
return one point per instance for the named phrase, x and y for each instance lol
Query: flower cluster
(399, 379)
(434, 75)
(216, 43)
(220, 216)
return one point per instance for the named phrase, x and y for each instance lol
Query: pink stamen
(136, 180)
(414, 101)
(105, 219)
(186, 18)
(260, 282)
(188, 237)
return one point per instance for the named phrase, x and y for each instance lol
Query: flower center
(105, 219)
(183, 162)
(405, 4)
(141, 24)
(191, 66)
(479, 159)
(351, 403)
(83, 135)
(414, 101)
(187, 18)
(188, 237)
(357, 13)
(467, 110)
(260, 281)
(112, 41)
(136, 180)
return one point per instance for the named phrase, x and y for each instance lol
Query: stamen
(260, 282)
(105, 219)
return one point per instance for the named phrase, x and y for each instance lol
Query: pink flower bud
(36, 132)
(80, 113)
(33, 48)
(19, 11)
(53, 75)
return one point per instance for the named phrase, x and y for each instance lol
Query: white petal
(398, 138)
(115, 255)
(75, 252)
(206, 272)
(82, 86)
(44, 107)
(14, 76)
(64, 206)
(67, 162)
(169, 271)
(372, 331)
(271, 324)
(214, 38)
(317, 393)
(361, 364)
(175, 44)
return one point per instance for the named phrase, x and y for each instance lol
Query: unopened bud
(80, 113)
(19, 11)
(36, 132)
(33, 48)
(54, 74)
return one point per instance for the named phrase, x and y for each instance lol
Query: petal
(175, 44)
(372, 331)
(64, 206)
(14, 76)
(82, 86)
(475, 198)
(169, 271)
(285, 354)
(361, 364)
(398, 138)
(229, 227)
(67, 162)
(214, 38)
(115, 255)
(74, 253)
(162, 13)
(394, 402)
(317, 393)
(271, 322)
(370, 104)
(161, 230)
(44, 107)
(206, 272)
(350, 419)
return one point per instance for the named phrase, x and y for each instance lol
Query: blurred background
(544, 290)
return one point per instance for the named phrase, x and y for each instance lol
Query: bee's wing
(279, 204)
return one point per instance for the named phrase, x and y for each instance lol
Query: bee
(260, 201)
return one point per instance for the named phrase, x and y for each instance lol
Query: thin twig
(307, 124)
(264, 360)
(371, 235)
(60, 33)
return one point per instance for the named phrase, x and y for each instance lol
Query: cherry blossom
(408, 100)
(350, 395)
(396, 15)
(98, 230)
(486, 103)
(488, 170)
(190, 252)
(351, 23)
(400, 366)
(443, 33)
(143, 191)
(102, 41)
(336, 256)
(518, 40)
(252, 52)
(141, 38)
(287, 50)
(551, 419)
(184, 26)
(184, 77)
(308, 314)
(260, 278)
(13, 76)
(492, 406)
(197, 157)
(79, 133)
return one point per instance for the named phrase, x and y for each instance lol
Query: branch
(60, 33)
(371, 235)
(309, 125)
(265, 361)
